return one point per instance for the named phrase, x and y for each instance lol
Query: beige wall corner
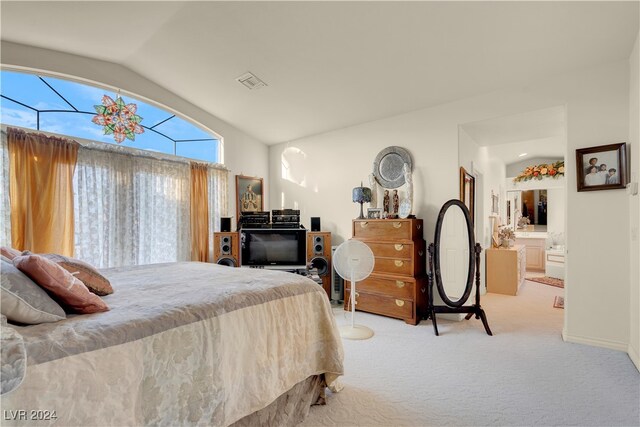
(634, 206)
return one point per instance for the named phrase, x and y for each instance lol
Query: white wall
(597, 113)
(335, 162)
(515, 169)
(490, 173)
(242, 154)
(634, 206)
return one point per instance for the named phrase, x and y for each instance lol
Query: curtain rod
(120, 149)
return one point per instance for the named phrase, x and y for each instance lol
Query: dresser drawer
(402, 267)
(398, 287)
(373, 303)
(392, 250)
(399, 258)
(387, 229)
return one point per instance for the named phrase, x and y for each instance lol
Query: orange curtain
(199, 213)
(41, 192)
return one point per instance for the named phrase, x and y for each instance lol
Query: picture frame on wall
(495, 203)
(602, 168)
(468, 191)
(249, 194)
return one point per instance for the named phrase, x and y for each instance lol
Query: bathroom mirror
(454, 265)
(534, 207)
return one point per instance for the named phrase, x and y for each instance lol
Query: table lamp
(361, 195)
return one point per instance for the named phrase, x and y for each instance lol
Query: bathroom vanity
(535, 243)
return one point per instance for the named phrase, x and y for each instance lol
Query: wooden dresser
(398, 285)
(506, 269)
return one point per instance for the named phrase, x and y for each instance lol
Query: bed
(183, 344)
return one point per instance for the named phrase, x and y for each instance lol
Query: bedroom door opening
(511, 157)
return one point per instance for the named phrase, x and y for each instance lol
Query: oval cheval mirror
(454, 265)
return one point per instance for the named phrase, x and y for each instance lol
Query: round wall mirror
(454, 256)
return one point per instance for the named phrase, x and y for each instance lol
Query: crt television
(273, 248)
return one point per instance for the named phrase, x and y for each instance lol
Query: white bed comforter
(183, 344)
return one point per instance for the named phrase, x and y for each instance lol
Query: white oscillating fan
(353, 260)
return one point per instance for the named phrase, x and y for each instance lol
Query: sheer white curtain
(162, 190)
(130, 209)
(217, 186)
(5, 208)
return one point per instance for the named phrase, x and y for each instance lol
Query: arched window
(66, 107)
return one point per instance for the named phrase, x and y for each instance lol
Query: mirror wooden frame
(474, 269)
(468, 185)
(472, 255)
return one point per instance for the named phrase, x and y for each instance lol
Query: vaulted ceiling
(329, 65)
(539, 133)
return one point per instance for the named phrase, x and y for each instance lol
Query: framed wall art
(249, 193)
(602, 168)
(495, 203)
(467, 191)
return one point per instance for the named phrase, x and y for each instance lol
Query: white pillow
(23, 301)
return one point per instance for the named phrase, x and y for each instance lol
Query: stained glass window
(67, 108)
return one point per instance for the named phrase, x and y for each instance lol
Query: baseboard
(613, 345)
(634, 355)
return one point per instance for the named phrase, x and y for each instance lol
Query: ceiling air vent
(251, 81)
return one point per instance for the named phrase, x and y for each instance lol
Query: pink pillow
(9, 252)
(86, 273)
(66, 289)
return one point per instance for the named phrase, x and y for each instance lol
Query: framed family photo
(374, 213)
(468, 191)
(602, 168)
(249, 193)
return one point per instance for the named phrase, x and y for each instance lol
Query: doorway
(514, 155)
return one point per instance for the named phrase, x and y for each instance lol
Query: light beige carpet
(523, 375)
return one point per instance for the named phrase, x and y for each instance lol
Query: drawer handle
(363, 224)
(420, 253)
(400, 283)
(397, 224)
(419, 226)
(399, 303)
(398, 263)
(398, 247)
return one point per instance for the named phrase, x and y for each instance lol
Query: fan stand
(353, 331)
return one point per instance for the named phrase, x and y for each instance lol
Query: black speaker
(315, 223)
(225, 248)
(321, 264)
(225, 224)
(318, 245)
(225, 245)
(228, 262)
